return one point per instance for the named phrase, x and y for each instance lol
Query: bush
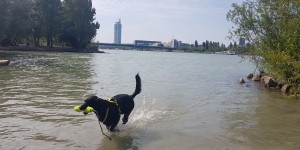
(273, 28)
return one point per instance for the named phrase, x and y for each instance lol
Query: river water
(188, 101)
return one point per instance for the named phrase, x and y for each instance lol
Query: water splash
(149, 112)
(146, 113)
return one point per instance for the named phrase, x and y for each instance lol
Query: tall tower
(118, 30)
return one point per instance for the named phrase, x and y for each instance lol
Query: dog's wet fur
(109, 111)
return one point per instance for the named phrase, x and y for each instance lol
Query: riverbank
(271, 83)
(50, 49)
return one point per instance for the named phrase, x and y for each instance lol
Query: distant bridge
(113, 46)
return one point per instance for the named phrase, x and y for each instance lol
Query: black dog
(109, 111)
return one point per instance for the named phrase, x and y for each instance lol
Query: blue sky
(163, 20)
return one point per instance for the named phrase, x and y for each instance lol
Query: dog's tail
(138, 86)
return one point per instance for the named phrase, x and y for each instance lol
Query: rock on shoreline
(269, 82)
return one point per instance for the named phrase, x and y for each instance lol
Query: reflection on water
(188, 101)
(263, 122)
(120, 141)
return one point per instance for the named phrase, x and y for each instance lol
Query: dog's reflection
(120, 141)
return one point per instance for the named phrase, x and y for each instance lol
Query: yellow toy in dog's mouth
(87, 110)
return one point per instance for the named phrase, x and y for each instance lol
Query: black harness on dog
(111, 100)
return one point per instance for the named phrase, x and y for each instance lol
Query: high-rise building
(118, 30)
(242, 42)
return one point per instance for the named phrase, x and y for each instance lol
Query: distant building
(180, 44)
(242, 42)
(146, 43)
(117, 32)
(172, 44)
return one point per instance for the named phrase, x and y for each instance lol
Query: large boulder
(256, 78)
(281, 83)
(268, 82)
(286, 88)
(4, 62)
(250, 76)
(242, 81)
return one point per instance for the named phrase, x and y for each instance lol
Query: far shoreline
(49, 49)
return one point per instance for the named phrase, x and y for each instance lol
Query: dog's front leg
(125, 119)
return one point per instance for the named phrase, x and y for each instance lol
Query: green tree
(4, 18)
(196, 43)
(19, 28)
(223, 45)
(79, 27)
(210, 44)
(234, 44)
(230, 45)
(203, 44)
(48, 14)
(37, 25)
(273, 28)
(206, 44)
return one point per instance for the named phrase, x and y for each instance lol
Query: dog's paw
(124, 120)
(114, 130)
